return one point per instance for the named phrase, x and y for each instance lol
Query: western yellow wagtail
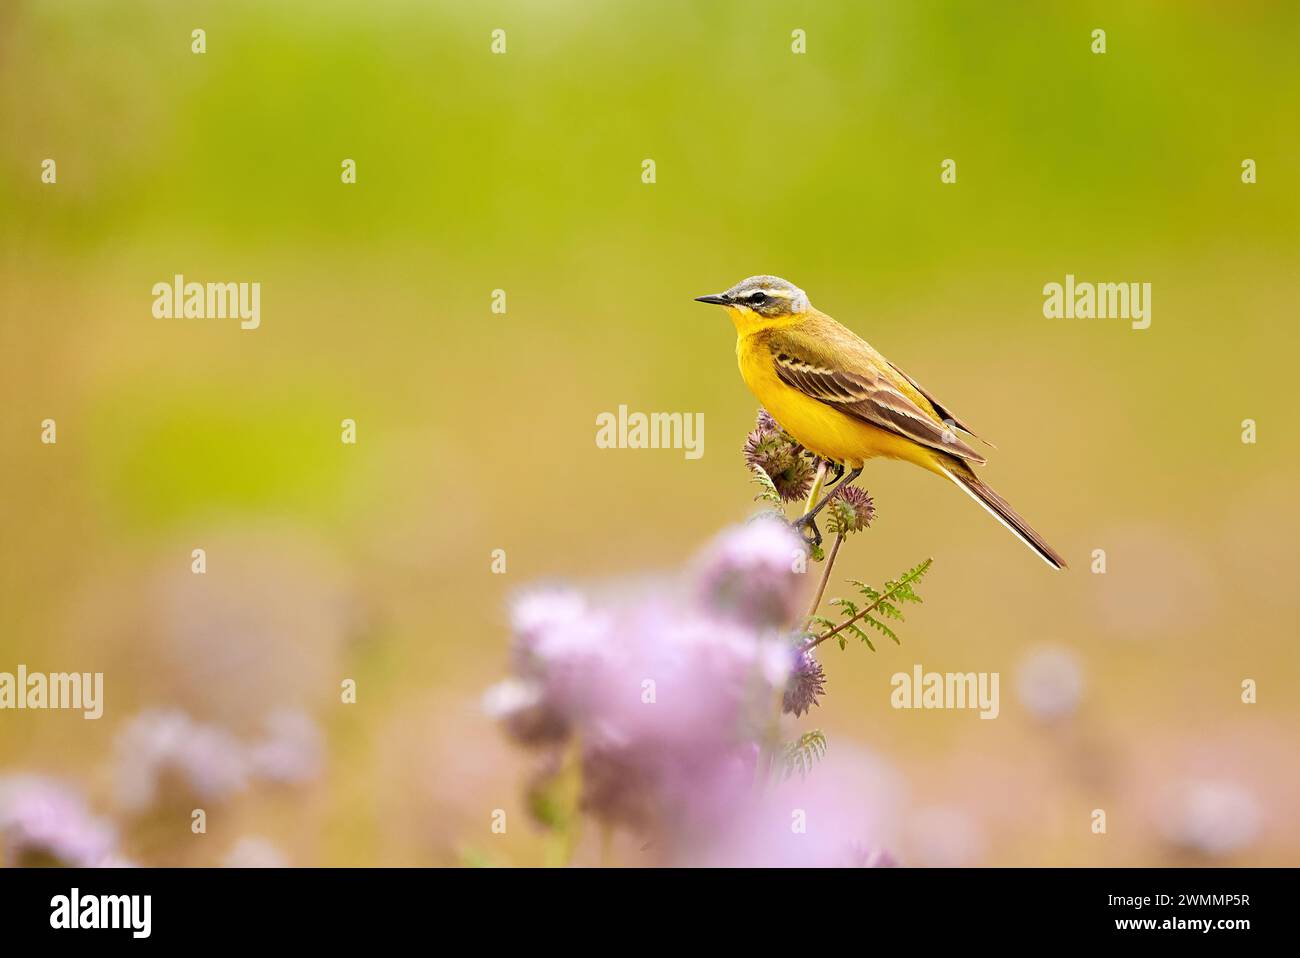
(845, 402)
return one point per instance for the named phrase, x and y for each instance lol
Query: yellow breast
(825, 431)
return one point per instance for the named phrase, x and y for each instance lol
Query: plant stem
(815, 492)
(912, 576)
(563, 841)
(826, 575)
(848, 622)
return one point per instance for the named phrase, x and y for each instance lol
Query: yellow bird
(845, 402)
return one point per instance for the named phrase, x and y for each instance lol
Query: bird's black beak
(718, 299)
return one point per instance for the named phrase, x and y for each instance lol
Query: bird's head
(760, 301)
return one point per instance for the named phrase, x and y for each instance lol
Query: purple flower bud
(851, 510)
(771, 450)
(807, 682)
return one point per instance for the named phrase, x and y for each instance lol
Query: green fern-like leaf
(889, 610)
(876, 606)
(882, 628)
(767, 489)
(916, 573)
(801, 755)
(839, 517)
(905, 593)
(860, 635)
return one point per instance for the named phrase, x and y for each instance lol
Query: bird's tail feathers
(1001, 510)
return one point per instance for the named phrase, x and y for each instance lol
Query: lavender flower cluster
(663, 699)
(161, 757)
(164, 754)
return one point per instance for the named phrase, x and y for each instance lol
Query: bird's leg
(799, 525)
(838, 469)
(815, 490)
(809, 518)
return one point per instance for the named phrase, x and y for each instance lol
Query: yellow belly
(825, 431)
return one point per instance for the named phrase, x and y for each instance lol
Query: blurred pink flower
(669, 691)
(1213, 789)
(656, 692)
(748, 573)
(1211, 817)
(844, 814)
(42, 820)
(1049, 682)
(292, 752)
(166, 746)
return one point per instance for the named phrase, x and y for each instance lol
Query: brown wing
(870, 397)
(944, 412)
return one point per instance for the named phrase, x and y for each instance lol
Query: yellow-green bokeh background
(522, 172)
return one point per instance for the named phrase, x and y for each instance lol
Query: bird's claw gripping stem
(809, 518)
(806, 522)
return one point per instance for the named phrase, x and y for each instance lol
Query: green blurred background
(522, 172)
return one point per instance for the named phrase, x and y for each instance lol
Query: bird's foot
(803, 525)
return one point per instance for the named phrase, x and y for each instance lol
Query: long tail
(1000, 509)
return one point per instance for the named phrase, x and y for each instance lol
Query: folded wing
(864, 392)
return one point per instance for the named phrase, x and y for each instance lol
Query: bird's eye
(758, 299)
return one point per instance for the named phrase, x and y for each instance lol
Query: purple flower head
(43, 822)
(807, 682)
(752, 574)
(771, 450)
(538, 615)
(162, 750)
(554, 630)
(667, 686)
(675, 678)
(559, 643)
(851, 510)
